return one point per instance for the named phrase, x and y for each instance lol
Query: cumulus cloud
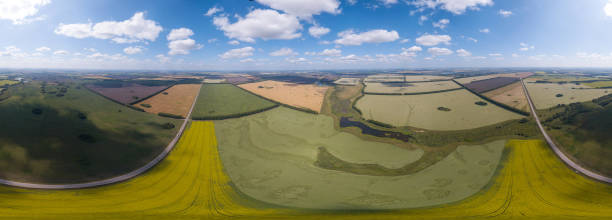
(505, 13)
(433, 40)
(214, 10)
(264, 24)
(608, 8)
(135, 29)
(485, 30)
(411, 52)
(415, 49)
(238, 53)
(61, 52)
(21, 11)
(233, 42)
(303, 9)
(43, 49)
(454, 6)
(162, 58)
(180, 43)
(463, 53)
(389, 2)
(442, 23)
(283, 52)
(318, 31)
(436, 51)
(331, 52)
(132, 50)
(526, 47)
(495, 55)
(374, 36)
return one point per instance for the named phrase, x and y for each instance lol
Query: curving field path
(191, 184)
(556, 149)
(117, 179)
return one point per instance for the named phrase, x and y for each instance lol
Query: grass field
(511, 95)
(407, 88)
(307, 96)
(78, 137)
(222, 100)
(191, 184)
(8, 82)
(176, 100)
(421, 111)
(420, 78)
(544, 95)
(598, 84)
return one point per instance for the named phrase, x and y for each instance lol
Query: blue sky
(304, 34)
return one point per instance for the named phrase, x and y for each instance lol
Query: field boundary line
(573, 165)
(501, 105)
(116, 179)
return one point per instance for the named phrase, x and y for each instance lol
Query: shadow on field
(40, 144)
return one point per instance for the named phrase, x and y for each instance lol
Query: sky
(304, 34)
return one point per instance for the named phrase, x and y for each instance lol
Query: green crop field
(546, 95)
(226, 100)
(600, 84)
(403, 88)
(8, 82)
(421, 111)
(270, 157)
(77, 137)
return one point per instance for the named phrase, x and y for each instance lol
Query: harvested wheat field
(511, 95)
(176, 100)
(298, 95)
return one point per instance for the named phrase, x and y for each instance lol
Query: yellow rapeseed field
(191, 183)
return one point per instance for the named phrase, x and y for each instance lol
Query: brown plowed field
(128, 93)
(177, 102)
(511, 95)
(486, 85)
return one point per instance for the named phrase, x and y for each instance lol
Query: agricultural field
(455, 110)
(599, 84)
(511, 95)
(410, 88)
(421, 78)
(215, 81)
(306, 96)
(467, 80)
(274, 159)
(8, 82)
(547, 95)
(191, 183)
(486, 85)
(347, 81)
(176, 100)
(125, 93)
(384, 78)
(69, 134)
(217, 101)
(102, 77)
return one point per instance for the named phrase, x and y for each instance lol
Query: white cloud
(21, 11)
(526, 47)
(162, 58)
(411, 52)
(472, 39)
(132, 50)
(403, 41)
(264, 24)
(304, 9)
(436, 51)
(61, 52)
(454, 6)
(389, 2)
(352, 2)
(183, 46)
(485, 30)
(180, 43)
(331, 52)
(297, 60)
(283, 52)
(515, 55)
(433, 40)
(505, 13)
(374, 36)
(93, 50)
(238, 53)
(43, 49)
(214, 10)
(463, 53)
(135, 29)
(318, 31)
(212, 40)
(10, 51)
(247, 60)
(608, 8)
(442, 23)
(234, 42)
(101, 56)
(422, 19)
(414, 49)
(179, 34)
(495, 55)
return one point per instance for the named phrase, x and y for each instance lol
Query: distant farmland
(308, 96)
(486, 85)
(220, 101)
(410, 88)
(176, 100)
(546, 95)
(511, 95)
(127, 93)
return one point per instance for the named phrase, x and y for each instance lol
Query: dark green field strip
(223, 100)
(501, 105)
